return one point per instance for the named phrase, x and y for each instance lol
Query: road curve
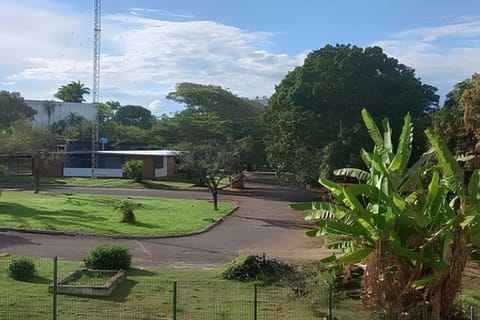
(263, 224)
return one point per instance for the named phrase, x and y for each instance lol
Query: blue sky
(247, 46)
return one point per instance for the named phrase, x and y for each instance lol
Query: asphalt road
(263, 224)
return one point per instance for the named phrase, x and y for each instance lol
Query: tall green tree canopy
(458, 121)
(130, 115)
(72, 92)
(212, 113)
(312, 120)
(13, 108)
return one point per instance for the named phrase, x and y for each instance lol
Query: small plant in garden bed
(90, 278)
(108, 257)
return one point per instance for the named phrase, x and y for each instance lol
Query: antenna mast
(96, 49)
(96, 78)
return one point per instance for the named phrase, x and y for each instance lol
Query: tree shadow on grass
(39, 280)
(52, 220)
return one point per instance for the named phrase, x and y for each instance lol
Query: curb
(118, 236)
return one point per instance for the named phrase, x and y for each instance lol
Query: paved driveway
(263, 224)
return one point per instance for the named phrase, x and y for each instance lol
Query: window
(108, 161)
(158, 162)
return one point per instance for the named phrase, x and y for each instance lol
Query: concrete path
(263, 224)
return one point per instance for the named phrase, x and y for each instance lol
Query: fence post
(330, 302)
(175, 300)
(55, 274)
(255, 301)
(473, 316)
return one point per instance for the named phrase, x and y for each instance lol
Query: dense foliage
(458, 121)
(250, 268)
(21, 269)
(108, 257)
(72, 92)
(133, 169)
(13, 108)
(414, 226)
(312, 120)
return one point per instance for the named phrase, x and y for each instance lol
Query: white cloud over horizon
(143, 58)
(144, 55)
(442, 55)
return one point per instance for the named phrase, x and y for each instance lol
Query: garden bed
(90, 282)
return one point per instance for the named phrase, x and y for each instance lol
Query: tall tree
(38, 143)
(319, 103)
(13, 108)
(210, 161)
(106, 110)
(72, 92)
(236, 117)
(137, 116)
(457, 122)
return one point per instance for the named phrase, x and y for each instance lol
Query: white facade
(60, 111)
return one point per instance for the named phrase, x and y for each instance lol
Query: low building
(157, 164)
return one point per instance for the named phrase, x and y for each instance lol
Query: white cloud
(442, 55)
(142, 58)
(155, 106)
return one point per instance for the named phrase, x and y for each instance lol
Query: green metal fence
(154, 299)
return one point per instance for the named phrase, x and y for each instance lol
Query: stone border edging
(118, 236)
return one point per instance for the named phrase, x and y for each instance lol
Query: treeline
(311, 126)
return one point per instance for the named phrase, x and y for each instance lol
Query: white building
(49, 112)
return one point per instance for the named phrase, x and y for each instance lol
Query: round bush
(21, 269)
(108, 257)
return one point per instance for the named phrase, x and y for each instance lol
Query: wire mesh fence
(144, 295)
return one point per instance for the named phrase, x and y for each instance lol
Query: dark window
(78, 161)
(158, 162)
(109, 161)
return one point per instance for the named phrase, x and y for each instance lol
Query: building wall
(148, 169)
(171, 167)
(60, 111)
(54, 169)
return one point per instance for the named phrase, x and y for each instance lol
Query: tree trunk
(36, 173)
(215, 199)
(389, 278)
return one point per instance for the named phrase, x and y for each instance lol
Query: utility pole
(96, 77)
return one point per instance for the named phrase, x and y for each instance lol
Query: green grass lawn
(95, 213)
(148, 294)
(178, 182)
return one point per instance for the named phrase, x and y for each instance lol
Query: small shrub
(126, 207)
(134, 170)
(258, 268)
(21, 269)
(108, 257)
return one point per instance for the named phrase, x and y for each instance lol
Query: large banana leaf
(372, 129)
(451, 171)
(355, 256)
(404, 148)
(361, 175)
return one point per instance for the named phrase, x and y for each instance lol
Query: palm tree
(414, 227)
(72, 92)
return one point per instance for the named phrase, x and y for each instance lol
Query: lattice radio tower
(96, 77)
(96, 49)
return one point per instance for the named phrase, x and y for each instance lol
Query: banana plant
(414, 226)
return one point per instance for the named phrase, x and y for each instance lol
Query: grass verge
(95, 214)
(179, 182)
(148, 294)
